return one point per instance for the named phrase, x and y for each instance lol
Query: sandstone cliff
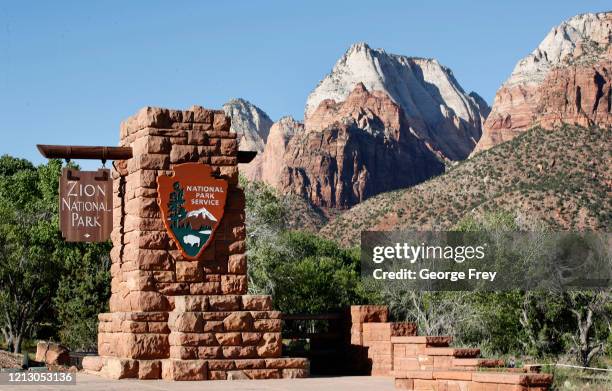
(346, 152)
(566, 79)
(250, 123)
(433, 102)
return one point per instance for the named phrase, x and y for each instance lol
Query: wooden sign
(192, 203)
(86, 205)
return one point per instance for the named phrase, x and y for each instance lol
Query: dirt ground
(10, 360)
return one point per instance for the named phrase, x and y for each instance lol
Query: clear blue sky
(71, 71)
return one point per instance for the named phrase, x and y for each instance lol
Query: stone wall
(383, 348)
(169, 317)
(371, 334)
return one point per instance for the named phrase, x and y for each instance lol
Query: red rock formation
(578, 95)
(347, 152)
(567, 79)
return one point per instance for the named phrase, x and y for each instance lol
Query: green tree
(29, 271)
(303, 272)
(175, 206)
(45, 281)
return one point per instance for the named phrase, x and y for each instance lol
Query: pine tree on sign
(175, 206)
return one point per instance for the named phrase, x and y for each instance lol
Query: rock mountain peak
(433, 102)
(566, 79)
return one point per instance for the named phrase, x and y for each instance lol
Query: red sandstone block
(208, 149)
(211, 325)
(377, 332)
(158, 327)
(142, 178)
(120, 368)
(147, 301)
(256, 363)
(443, 362)
(256, 302)
(142, 207)
(188, 322)
(233, 284)
(229, 147)
(146, 316)
(238, 321)
(266, 315)
(207, 352)
(406, 364)
(189, 271)
(425, 361)
(251, 338)
(267, 325)
(369, 313)
(183, 154)
(139, 280)
(135, 223)
(422, 374)
(184, 352)
(381, 348)
(146, 117)
(438, 341)
(190, 303)
(201, 115)
(173, 288)
(130, 326)
(229, 339)
(237, 247)
(148, 259)
(380, 371)
(148, 162)
(217, 375)
(287, 362)
(499, 378)
(403, 329)
(93, 363)
(224, 303)
(205, 288)
(423, 384)
(477, 363)
(453, 375)
(239, 351)
(263, 373)
(217, 266)
(512, 378)
(216, 315)
(221, 365)
(151, 144)
(294, 373)
(270, 345)
(163, 275)
(198, 135)
(356, 338)
(221, 122)
(141, 346)
(474, 386)
(404, 384)
(184, 370)
(191, 339)
(237, 264)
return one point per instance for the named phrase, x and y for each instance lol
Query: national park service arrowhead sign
(192, 203)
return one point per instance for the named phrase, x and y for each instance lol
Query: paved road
(94, 383)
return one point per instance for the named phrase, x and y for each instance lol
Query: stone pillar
(169, 317)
